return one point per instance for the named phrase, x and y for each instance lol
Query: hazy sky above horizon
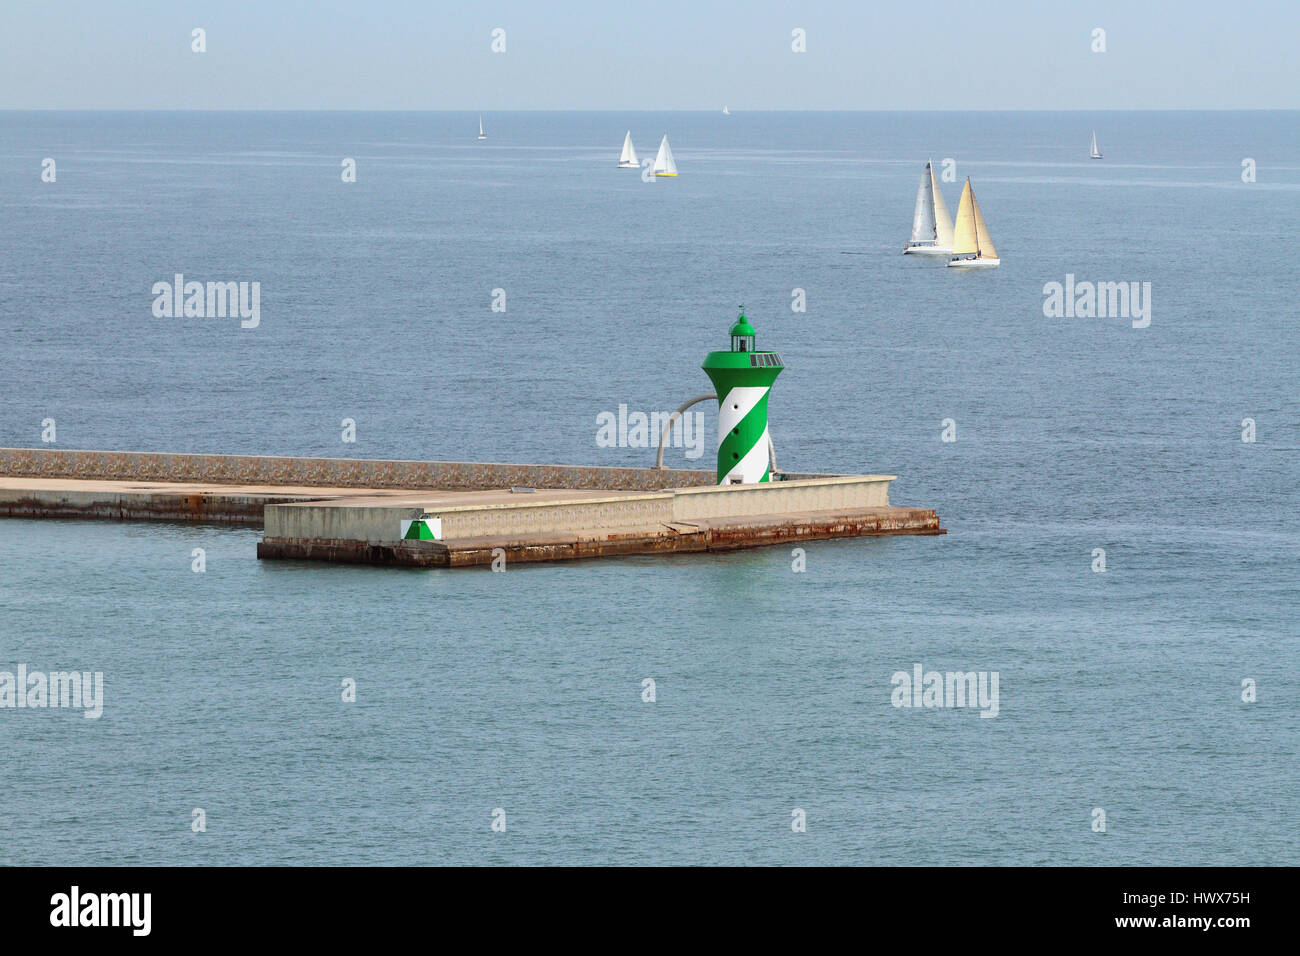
(668, 54)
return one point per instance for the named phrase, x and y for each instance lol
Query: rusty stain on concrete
(709, 536)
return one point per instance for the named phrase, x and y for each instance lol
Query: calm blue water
(522, 690)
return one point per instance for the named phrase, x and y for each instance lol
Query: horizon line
(319, 109)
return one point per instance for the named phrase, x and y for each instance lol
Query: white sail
(481, 134)
(942, 221)
(923, 224)
(665, 165)
(628, 156)
(726, 112)
(931, 224)
(1096, 153)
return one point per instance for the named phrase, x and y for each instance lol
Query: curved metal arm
(672, 420)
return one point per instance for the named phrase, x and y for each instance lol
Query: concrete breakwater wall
(376, 522)
(333, 472)
(359, 510)
(684, 538)
(123, 501)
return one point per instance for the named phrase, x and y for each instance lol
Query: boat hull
(629, 166)
(665, 174)
(911, 250)
(974, 263)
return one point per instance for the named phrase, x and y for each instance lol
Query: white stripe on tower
(752, 464)
(735, 405)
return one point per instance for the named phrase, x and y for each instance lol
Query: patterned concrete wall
(609, 514)
(332, 472)
(381, 523)
(820, 494)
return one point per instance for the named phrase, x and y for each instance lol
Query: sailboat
(664, 163)
(725, 111)
(971, 246)
(1096, 153)
(481, 134)
(931, 224)
(627, 159)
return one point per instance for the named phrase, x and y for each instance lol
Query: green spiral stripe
(738, 442)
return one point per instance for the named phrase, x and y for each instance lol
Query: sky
(650, 55)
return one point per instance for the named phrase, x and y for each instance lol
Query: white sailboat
(725, 111)
(931, 224)
(627, 159)
(972, 248)
(481, 134)
(1096, 153)
(665, 165)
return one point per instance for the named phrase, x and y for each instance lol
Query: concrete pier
(353, 510)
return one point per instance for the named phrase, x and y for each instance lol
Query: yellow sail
(942, 221)
(963, 237)
(982, 239)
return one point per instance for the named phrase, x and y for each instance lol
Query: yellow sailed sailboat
(971, 246)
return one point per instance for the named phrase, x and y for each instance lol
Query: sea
(1119, 493)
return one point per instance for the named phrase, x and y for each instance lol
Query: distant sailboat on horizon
(972, 247)
(665, 165)
(481, 134)
(627, 159)
(931, 224)
(725, 111)
(1096, 153)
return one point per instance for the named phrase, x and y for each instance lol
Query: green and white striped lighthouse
(742, 378)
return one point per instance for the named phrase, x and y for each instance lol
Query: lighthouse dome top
(742, 334)
(742, 326)
(744, 357)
